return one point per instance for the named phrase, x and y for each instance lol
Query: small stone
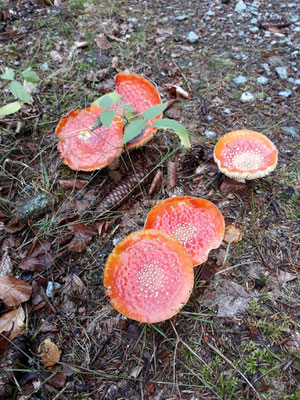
(49, 290)
(132, 20)
(253, 29)
(281, 72)
(240, 80)
(246, 97)
(294, 18)
(290, 130)
(192, 37)
(285, 93)
(296, 29)
(253, 21)
(240, 7)
(209, 134)
(45, 66)
(266, 67)
(34, 206)
(181, 17)
(210, 13)
(227, 111)
(262, 80)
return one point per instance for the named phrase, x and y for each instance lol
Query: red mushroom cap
(149, 276)
(196, 223)
(141, 94)
(83, 149)
(245, 154)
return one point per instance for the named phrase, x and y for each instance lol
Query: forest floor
(237, 337)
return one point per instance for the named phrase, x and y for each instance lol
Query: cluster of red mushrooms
(149, 275)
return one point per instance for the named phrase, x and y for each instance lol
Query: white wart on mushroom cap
(245, 154)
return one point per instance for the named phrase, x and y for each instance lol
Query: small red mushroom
(84, 149)
(245, 155)
(196, 223)
(141, 94)
(149, 276)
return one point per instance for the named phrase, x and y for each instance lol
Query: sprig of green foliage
(21, 92)
(135, 122)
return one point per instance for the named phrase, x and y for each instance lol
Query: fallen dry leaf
(102, 42)
(6, 266)
(58, 380)
(73, 183)
(12, 323)
(231, 298)
(83, 236)
(49, 353)
(38, 257)
(229, 185)
(172, 175)
(13, 291)
(232, 234)
(156, 181)
(14, 226)
(73, 284)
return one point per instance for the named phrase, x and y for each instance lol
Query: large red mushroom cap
(84, 149)
(196, 223)
(245, 154)
(149, 276)
(141, 94)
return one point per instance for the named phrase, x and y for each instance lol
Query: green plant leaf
(9, 74)
(166, 123)
(30, 76)
(154, 111)
(133, 129)
(107, 117)
(108, 100)
(19, 92)
(10, 108)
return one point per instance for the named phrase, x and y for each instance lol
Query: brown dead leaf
(58, 380)
(229, 185)
(49, 353)
(73, 284)
(173, 113)
(6, 266)
(38, 257)
(156, 181)
(13, 291)
(102, 42)
(12, 323)
(172, 175)
(83, 236)
(232, 234)
(73, 183)
(14, 226)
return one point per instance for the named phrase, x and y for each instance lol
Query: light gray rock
(247, 97)
(209, 134)
(192, 37)
(240, 80)
(253, 29)
(262, 80)
(281, 72)
(290, 130)
(181, 17)
(285, 93)
(210, 13)
(34, 206)
(240, 7)
(266, 67)
(227, 111)
(253, 21)
(132, 20)
(50, 287)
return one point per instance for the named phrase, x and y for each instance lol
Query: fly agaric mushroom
(149, 276)
(245, 154)
(86, 149)
(141, 94)
(196, 223)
